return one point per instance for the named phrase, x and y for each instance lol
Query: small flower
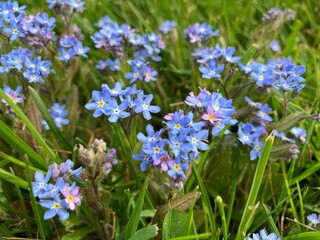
(55, 206)
(167, 26)
(40, 184)
(72, 195)
(212, 71)
(314, 219)
(299, 133)
(15, 96)
(143, 105)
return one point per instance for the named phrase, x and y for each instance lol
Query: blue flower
(263, 113)
(135, 74)
(152, 136)
(263, 236)
(247, 133)
(212, 71)
(116, 111)
(143, 105)
(299, 133)
(198, 139)
(55, 206)
(314, 219)
(15, 30)
(228, 55)
(15, 96)
(177, 168)
(256, 149)
(40, 185)
(98, 103)
(167, 26)
(275, 46)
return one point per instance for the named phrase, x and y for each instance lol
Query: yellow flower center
(156, 149)
(176, 167)
(245, 137)
(15, 31)
(145, 107)
(56, 205)
(257, 147)
(211, 117)
(101, 103)
(70, 198)
(177, 126)
(136, 75)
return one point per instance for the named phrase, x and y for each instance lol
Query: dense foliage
(159, 119)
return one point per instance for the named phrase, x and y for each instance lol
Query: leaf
(18, 144)
(30, 126)
(249, 54)
(181, 202)
(256, 183)
(78, 234)
(9, 177)
(304, 236)
(146, 233)
(175, 224)
(47, 117)
(133, 222)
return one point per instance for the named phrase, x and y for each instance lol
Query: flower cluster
(251, 133)
(167, 26)
(58, 113)
(118, 103)
(98, 159)
(21, 62)
(38, 30)
(281, 74)
(69, 47)
(10, 19)
(141, 71)
(184, 137)
(55, 192)
(199, 33)
(173, 154)
(109, 64)
(216, 110)
(274, 15)
(65, 6)
(263, 236)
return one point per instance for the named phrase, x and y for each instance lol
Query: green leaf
(9, 177)
(78, 234)
(30, 126)
(47, 117)
(291, 41)
(257, 181)
(17, 143)
(304, 236)
(146, 233)
(133, 222)
(174, 224)
(249, 54)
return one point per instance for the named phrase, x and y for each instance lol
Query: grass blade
(135, 217)
(17, 143)
(30, 126)
(47, 117)
(257, 180)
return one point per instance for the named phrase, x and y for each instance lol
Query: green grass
(225, 195)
